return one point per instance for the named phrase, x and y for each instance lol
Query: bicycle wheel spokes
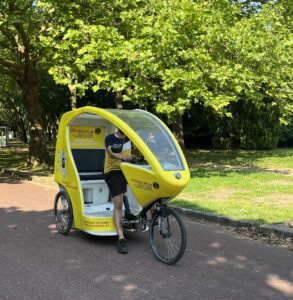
(173, 249)
(167, 236)
(62, 219)
(63, 213)
(169, 243)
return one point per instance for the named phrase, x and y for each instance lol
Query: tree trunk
(38, 152)
(23, 71)
(49, 132)
(22, 129)
(19, 124)
(118, 101)
(178, 130)
(54, 129)
(49, 127)
(73, 95)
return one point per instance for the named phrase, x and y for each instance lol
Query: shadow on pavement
(84, 266)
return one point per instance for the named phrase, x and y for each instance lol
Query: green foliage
(172, 54)
(251, 127)
(286, 136)
(54, 98)
(21, 23)
(10, 102)
(231, 58)
(254, 70)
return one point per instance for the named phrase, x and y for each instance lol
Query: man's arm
(117, 155)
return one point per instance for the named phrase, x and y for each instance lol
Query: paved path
(38, 263)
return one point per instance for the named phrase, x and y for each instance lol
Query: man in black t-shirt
(116, 181)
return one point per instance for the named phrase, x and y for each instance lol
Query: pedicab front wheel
(167, 235)
(63, 213)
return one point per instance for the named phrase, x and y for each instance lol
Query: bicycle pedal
(126, 221)
(145, 229)
(130, 229)
(132, 221)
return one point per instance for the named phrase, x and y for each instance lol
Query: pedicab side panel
(146, 186)
(168, 177)
(66, 175)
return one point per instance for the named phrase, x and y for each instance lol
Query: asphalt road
(38, 263)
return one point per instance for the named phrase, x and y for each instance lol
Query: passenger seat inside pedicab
(89, 162)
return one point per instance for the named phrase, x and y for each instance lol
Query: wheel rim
(167, 237)
(62, 213)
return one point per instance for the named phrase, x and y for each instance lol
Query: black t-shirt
(112, 163)
(111, 139)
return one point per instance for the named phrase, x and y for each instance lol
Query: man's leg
(126, 205)
(127, 214)
(118, 206)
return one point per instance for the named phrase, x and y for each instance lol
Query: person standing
(116, 181)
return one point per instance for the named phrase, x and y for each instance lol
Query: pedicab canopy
(163, 176)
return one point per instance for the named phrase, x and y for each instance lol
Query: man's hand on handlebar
(127, 158)
(136, 160)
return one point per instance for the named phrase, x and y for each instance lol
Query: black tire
(167, 235)
(63, 213)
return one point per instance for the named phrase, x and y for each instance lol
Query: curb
(16, 174)
(40, 180)
(278, 229)
(267, 229)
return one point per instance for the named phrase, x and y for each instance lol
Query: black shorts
(116, 182)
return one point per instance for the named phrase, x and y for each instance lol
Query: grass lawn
(14, 157)
(247, 185)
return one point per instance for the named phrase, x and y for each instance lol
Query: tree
(20, 25)
(139, 50)
(260, 78)
(254, 58)
(55, 101)
(12, 108)
(170, 54)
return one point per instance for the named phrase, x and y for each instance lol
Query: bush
(252, 126)
(197, 129)
(286, 136)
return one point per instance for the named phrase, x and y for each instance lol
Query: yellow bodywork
(147, 185)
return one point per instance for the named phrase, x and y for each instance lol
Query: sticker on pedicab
(143, 185)
(98, 223)
(62, 162)
(91, 137)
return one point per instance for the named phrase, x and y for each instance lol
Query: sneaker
(130, 217)
(121, 246)
(145, 228)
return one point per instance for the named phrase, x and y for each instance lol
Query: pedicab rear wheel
(167, 235)
(63, 213)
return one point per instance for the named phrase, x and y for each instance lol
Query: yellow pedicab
(84, 198)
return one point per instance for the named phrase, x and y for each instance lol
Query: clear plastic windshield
(155, 136)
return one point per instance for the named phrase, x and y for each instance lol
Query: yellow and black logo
(97, 130)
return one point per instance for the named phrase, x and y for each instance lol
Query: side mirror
(117, 148)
